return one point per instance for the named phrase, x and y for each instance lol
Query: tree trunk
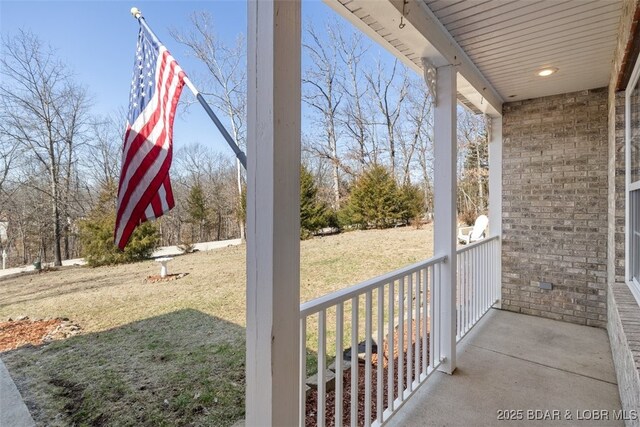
(335, 165)
(67, 255)
(24, 248)
(55, 216)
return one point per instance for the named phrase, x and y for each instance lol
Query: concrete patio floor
(512, 362)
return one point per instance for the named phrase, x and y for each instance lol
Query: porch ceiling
(510, 40)
(499, 45)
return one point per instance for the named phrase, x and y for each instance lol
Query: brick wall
(555, 207)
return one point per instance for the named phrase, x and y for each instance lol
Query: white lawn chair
(468, 235)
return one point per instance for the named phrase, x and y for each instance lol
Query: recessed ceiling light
(547, 71)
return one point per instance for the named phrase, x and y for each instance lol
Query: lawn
(168, 353)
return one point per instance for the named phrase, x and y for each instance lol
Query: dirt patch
(24, 331)
(156, 278)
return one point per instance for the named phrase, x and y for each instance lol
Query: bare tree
(33, 95)
(420, 113)
(9, 151)
(102, 159)
(228, 84)
(323, 93)
(472, 162)
(213, 173)
(415, 133)
(355, 116)
(72, 116)
(389, 96)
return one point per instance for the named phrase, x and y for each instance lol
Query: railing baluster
(354, 360)
(485, 249)
(432, 317)
(466, 293)
(416, 353)
(475, 285)
(303, 372)
(497, 280)
(391, 347)
(401, 339)
(425, 318)
(485, 266)
(338, 362)
(438, 315)
(458, 305)
(367, 359)
(469, 291)
(380, 365)
(493, 262)
(461, 293)
(481, 280)
(322, 384)
(410, 333)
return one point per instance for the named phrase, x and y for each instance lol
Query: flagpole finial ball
(136, 12)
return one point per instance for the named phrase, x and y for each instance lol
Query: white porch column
(495, 193)
(445, 162)
(273, 213)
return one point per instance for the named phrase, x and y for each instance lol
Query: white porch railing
(478, 282)
(403, 356)
(404, 307)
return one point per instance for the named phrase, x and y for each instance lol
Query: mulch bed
(24, 331)
(312, 397)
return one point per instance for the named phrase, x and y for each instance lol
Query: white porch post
(495, 194)
(273, 213)
(446, 150)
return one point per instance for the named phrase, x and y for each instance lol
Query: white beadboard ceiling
(510, 40)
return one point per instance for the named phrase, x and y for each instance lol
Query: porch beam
(273, 212)
(445, 185)
(418, 14)
(422, 36)
(495, 192)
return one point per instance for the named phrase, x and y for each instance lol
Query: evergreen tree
(96, 234)
(374, 200)
(411, 203)
(197, 210)
(314, 214)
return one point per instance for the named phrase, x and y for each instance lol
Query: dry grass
(168, 353)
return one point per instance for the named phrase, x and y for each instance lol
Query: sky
(97, 39)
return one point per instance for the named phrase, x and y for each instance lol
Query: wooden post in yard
(273, 213)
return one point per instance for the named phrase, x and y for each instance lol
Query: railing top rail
(311, 307)
(476, 244)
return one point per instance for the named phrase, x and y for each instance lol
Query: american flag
(145, 190)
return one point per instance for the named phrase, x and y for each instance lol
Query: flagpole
(242, 157)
